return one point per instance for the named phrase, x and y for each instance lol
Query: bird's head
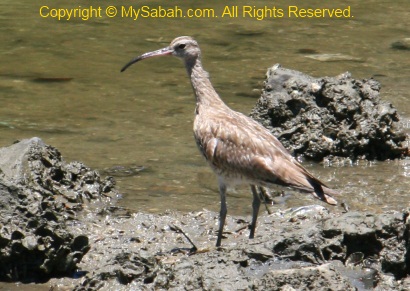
(184, 47)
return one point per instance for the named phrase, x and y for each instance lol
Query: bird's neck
(204, 91)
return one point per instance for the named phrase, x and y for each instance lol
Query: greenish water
(60, 81)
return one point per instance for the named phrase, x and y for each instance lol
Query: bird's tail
(322, 192)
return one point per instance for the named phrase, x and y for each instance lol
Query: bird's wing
(234, 143)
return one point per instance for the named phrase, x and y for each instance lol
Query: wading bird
(238, 149)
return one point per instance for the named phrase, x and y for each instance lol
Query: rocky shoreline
(84, 242)
(60, 225)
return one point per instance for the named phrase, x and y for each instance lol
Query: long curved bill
(161, 52)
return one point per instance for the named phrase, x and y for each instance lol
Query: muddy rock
(40, 195)
(329, 116)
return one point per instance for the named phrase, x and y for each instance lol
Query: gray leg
(224, 210)
(265, 197)
(255, 210)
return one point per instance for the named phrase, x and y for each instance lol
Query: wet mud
(60, 225)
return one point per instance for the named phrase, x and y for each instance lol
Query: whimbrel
(238, 149)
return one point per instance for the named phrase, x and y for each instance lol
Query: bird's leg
(222, 214)
(255, 210)
(265, 197)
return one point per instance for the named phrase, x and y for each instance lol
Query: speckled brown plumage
(238, 149)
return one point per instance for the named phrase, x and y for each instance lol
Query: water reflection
(60, 81)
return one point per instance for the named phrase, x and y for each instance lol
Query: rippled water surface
(60, 80)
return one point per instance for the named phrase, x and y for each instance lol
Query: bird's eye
(182, 46)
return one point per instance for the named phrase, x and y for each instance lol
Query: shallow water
(60, 81)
